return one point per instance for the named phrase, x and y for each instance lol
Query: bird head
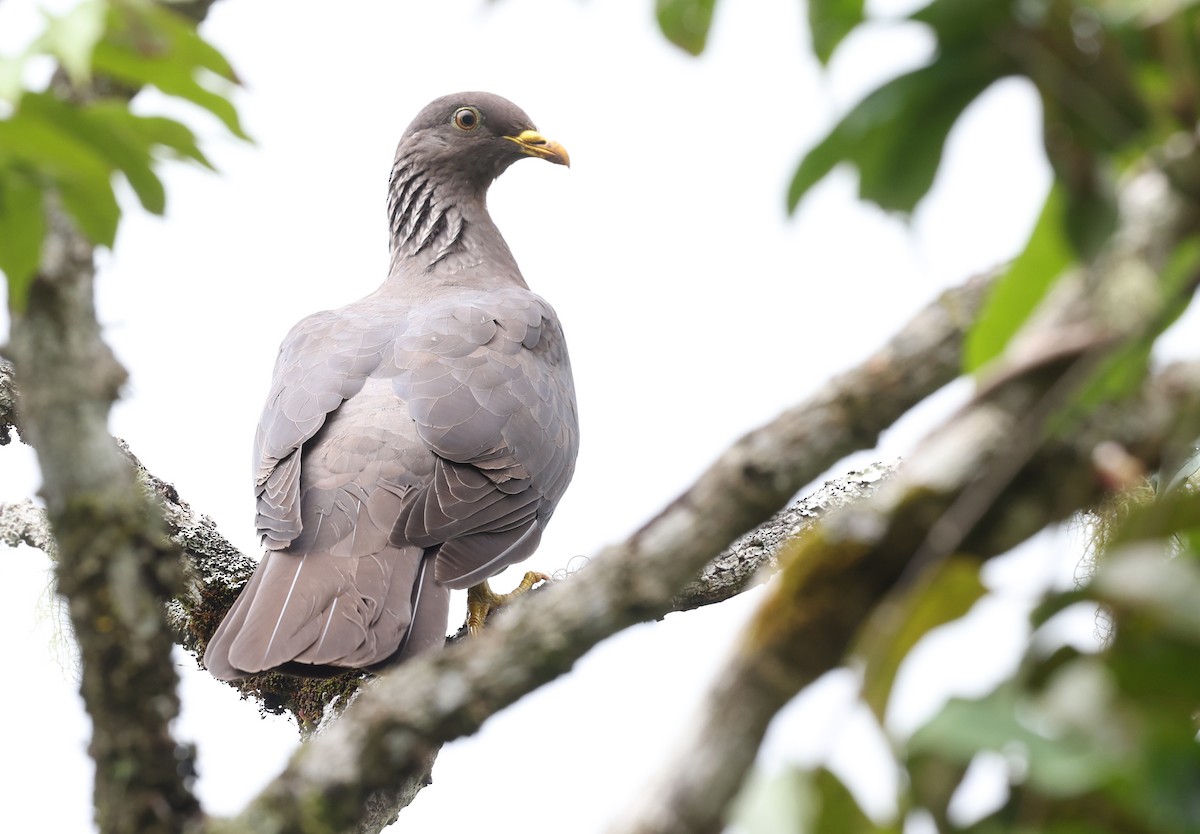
(475, 135)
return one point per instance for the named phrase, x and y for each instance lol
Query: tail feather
(320, 610)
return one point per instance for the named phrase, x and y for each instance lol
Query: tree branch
(1006, 466)
(8, 402)
(844, 416)
(386, 736)
(646, 577)
(113, 563)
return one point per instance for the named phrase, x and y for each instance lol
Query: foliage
(72, 138)
(1094, 742)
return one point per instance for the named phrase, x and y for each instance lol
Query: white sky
(695, 310)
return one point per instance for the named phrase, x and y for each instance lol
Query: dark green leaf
(895, 136)
(686, 22)
(837, 810)
(941, 597)
(960, 22)
(830, 21)
(1015, 296)
(22, 226)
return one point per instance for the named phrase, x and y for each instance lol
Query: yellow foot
(482, 600)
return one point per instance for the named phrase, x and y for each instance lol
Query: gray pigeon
(416, 440)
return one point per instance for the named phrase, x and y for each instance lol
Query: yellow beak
(535, 144)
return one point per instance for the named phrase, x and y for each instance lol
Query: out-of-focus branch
(833, 578)
(1006, 466)
(649, 575)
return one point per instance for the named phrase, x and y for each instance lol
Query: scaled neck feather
(439, 226)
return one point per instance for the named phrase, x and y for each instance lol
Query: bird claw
(482, 600)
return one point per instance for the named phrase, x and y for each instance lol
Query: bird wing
(324, 360)
(488, 383)
(396, 440)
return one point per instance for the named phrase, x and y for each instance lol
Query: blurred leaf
(1164, 514)
(1018, 292)
(1064, 764)
(941, 596)
(895, 136)
(830, 21)
(10, 79)
(73, 36)
(81, 176)
(959, 22)
(93, 206)
(1181, 473)
(686, 23)
(1122, 372)
(837, 810)
(775, 804)
(112, 140)
(152, 131)
(151, 45)
(22, 226)
(1165, 590)
(800, 800)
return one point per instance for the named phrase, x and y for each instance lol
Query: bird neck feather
(441, 223)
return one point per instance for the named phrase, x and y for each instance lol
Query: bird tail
(307, 612)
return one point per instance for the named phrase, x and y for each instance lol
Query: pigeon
(414, 441)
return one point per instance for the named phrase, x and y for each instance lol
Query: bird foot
(482, 600)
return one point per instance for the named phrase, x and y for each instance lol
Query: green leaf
(966, 22)
(686, 23)
(838, 812)
(11, 70)
(801, 800)
(93, 205)
(1175, 476)
(1163, 589)
(830, 21)
(940, 597)
(895, 136)
(112, 139)
(151, 45)
(22, 226)
(1062, 763)
(81, 176)
(1122, 372)
(155, 131)
(1015, 296)
(72, 37)
(775, 804)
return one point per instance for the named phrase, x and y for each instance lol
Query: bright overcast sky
(694, 307)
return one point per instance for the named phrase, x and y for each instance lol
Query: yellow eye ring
(467, 118)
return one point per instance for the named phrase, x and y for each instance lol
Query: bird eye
(466, 118)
